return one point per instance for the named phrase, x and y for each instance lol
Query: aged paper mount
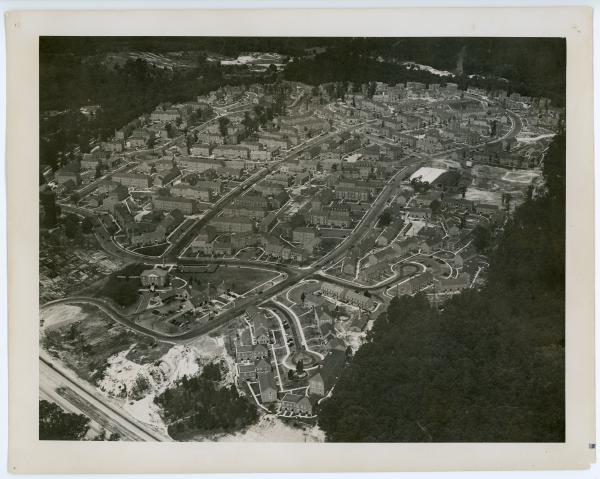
(28, 455)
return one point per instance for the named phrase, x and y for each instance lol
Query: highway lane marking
(88, 395)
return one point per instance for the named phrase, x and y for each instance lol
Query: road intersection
(175, 253)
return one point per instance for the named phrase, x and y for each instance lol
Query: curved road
(294, 274)
(109, 309)
(93, 405)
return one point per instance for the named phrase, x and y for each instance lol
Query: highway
(55, 380)
(63, 387)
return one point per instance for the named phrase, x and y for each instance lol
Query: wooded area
(530, 66)
(123, 286)
(200, 404)
(489, 366)
(57, 425)
(73, 73)
(70, 81)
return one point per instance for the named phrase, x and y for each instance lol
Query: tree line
(531, 66)
(68, 81)
(488, 366)
(58, 425)
(201, 404)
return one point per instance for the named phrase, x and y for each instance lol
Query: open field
(154, 250)
(526, 176)
(238, 279)
(84, 338)
(489, 182)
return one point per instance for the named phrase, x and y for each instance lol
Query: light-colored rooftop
(427, 174)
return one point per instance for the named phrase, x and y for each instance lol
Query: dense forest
(530, 66)
(69, 81)
(200, 404)
(518, 59)
(57, 425)
(122, 286)
(489, 366)
(74, 71)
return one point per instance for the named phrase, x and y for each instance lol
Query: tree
(197, 403)
(250, 122)
(86, 226)
(71, 222)
(297, 221)
(192, 179)
(508, 200)
(385, 218)
(177, 215)
(494, 128)
(122, 286)
(101, 436)
(530, 190)
(212, 372)
(223, 122)
(481, 238)
(435, 206)
(171, 130)
(210, 174)
(291, 376)
(55, 424)
(487, 340)
(349, 353)
(371, 89)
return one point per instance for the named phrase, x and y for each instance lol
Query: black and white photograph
(302, 239)
(297, 240)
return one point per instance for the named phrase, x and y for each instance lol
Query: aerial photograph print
(302, 239)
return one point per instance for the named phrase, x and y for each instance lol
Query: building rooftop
(266, 381)
(155, 272)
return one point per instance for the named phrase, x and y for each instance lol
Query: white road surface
(66, 389)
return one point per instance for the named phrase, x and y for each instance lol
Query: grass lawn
(249, 253)
(154, 250)
(238, 279)
(308, 288)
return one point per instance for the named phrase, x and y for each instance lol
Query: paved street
(295, 274)
(56, 380)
